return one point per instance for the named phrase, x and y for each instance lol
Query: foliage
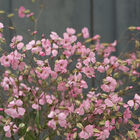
(45, 90)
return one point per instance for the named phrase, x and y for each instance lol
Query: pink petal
(20, 45)
(51, 115)
(8, 134)
(1, 25)
(6, 128)
(21, 111)
(130, 103)
(61, 116)
(19, 102)
(108, 103)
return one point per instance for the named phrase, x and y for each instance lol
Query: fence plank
(56, 16)
(6, 6)
(104, 16)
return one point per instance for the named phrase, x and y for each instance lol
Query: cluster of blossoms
(46, 85)
(22, 12)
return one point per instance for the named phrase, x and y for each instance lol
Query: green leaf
(10, 15)
(115, 107)
(32, 18)
(22, 131)
(46, 138)
(75, 135)
(109, 71)
(37, 120)
(96, 130)
(118, 114)
(79, 125)
(10, 99)
(30, 136)
(130, 135)
(102, 122)
(116, 138)
(11, 28)
(27, 11)
(117, 125)
(21, 125)
(4, 138)
(2, 12)
(130, 122)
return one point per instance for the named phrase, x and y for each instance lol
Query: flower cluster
(46, 84)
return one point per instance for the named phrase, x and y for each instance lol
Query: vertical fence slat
(5, 5)
(57, 15)
(104, 19)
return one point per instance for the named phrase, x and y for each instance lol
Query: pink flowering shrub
(45, 85)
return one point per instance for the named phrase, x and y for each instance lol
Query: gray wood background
(109, 18)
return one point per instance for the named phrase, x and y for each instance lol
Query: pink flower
(61, 86)
(15, 109)
(57, 117)
(110, 84)
(86, 104)
(79, 65)
(21, 66)
(137, 98)
(21, 11)
(69, 136)
(96, 37)
(16, 40)
(34, 46)
(70, 31)
(52, 124)
(50, 99)
(20, 45)
(45, 72)
(53, 74)
(87, 132)
(61, 66)
(123, 68)
(54, 36)
(134, 103)
(47, 46)
(126, 115)
(5, 61)
(138, 28)
(108, 103)
(62, 119)
(54, 53)
(130, 103)
(46, 99)
(99, 107)
(36, 106)
(90, 58)
(80, 110)
(101, 69)
(88, 71)
(115, 99)
(7, 130)
(30, 14)
(1, 109)
(85, 32)
(68, 40)
(7, 82)
(10, 127)
(103, 135)
(136, 129)
(1, 25)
